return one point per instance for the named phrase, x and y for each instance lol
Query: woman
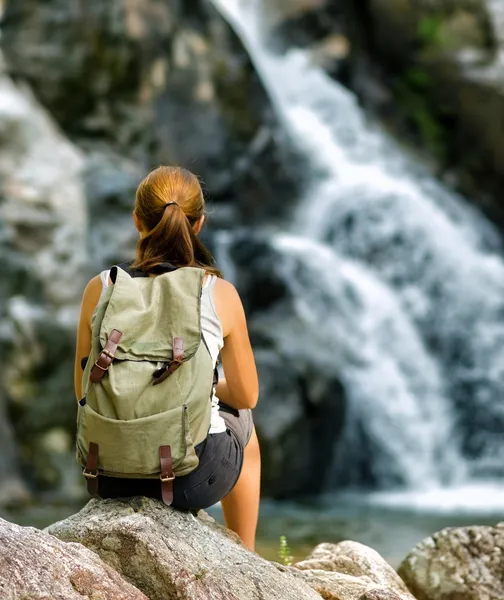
(169, 214)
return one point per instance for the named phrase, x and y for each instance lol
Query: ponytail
(172, 238)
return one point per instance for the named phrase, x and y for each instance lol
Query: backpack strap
(106, 356)
(90, 472)
(166, 476)
(168, 368)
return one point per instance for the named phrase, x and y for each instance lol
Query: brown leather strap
(91, 470)
(166, 476)
(106, 357)
(178, 356)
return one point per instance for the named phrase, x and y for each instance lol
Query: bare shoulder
(226, 290)
(93, 287)
(228, 305)
(227, 296)
(91, 296)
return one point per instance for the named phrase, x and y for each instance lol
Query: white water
(399, 288)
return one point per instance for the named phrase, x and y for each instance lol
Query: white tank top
(211, 330)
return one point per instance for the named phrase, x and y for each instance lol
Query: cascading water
(398, 283)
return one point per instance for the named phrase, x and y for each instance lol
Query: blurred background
(352, 156)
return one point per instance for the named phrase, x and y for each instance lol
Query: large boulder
(351, 571)
(168, 553)
(172, 554)
(457, 564)
(37, 566)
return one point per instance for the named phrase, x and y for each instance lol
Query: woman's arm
(90, 299)
(240, 388)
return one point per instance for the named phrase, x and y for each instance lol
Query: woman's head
(169, 213)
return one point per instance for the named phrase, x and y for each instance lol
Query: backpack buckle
(166, 478)
(90, 474)
(100, 367)
(106, 356)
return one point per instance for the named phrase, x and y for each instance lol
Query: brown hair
(169, 202)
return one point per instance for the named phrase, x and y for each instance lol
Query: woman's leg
(241, 505)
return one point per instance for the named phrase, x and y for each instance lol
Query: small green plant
(284, 552)
(430, 31)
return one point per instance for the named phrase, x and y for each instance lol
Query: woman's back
(168, 214)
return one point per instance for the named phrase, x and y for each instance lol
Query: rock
(158, 82)
(43, 248)
(300, 416)
(317, 25)
(443, 61)
(457, 564)
(431, 25)
(35, 565)
(172, 554)
(377, 594)
(352, 571)
(111, 181)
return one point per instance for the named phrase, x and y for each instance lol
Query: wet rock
(457, 563)
(34, 564)
(302, 407)
(172, 554)
(297, 421)
(443, 61)
(352, 571)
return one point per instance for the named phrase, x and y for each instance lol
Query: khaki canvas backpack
(148, 380)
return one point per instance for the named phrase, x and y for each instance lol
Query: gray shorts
(240, 422)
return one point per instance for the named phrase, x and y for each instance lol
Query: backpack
(148, 380)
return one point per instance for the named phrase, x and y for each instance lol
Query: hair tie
(169, 204)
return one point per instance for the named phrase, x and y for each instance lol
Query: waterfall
(399, 282)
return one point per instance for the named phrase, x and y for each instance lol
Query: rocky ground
(141, 549)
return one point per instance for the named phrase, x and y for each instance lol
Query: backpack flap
(151, 311)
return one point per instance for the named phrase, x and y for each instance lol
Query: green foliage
(284, 552)
(413, 93)
(430, 31)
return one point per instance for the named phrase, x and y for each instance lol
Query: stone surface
(377, 594)
(464, 563)
(351, 571)
(443, 62)
(37, 566)
(43, 249)
(170, 554)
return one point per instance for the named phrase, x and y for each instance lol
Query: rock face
(34, 565)
(43, 249)
(170, 554)
(444, 64)
(351, 571)
(158, 82)
(457, 564)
